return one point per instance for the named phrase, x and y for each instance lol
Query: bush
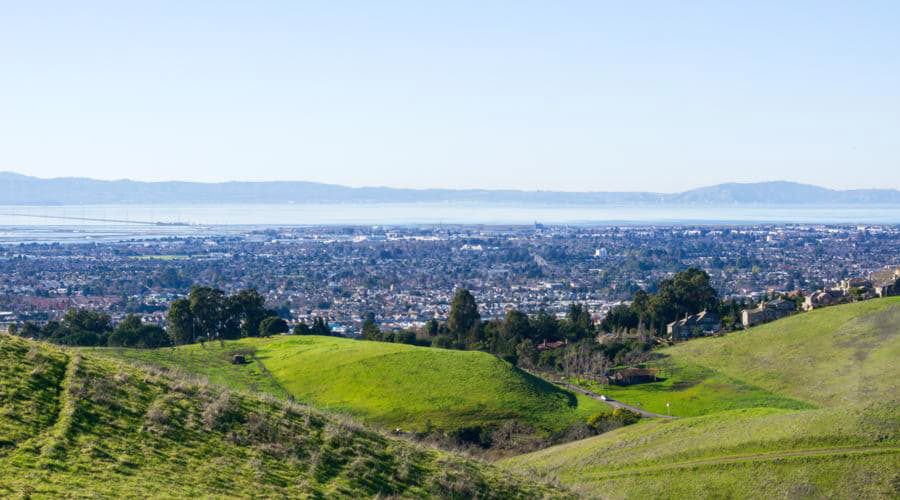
(626, 416)
(222, 411)
(442, 341)
(273, 325)
(603, 422)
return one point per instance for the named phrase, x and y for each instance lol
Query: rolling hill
(17, 189)
(807, 406)
(389, 385)
(77, 425)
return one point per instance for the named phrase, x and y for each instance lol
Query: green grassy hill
(390, 385)
(807, 406)
(76, 425)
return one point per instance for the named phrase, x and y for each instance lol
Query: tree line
(540, 341)
(206, 314)
(688, 292)
(571, 344)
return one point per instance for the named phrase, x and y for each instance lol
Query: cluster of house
(768, 311)
(855, 289)
(697, 325)
(707, 323)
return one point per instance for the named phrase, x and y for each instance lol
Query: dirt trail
(746, 458)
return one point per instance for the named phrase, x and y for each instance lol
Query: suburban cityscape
(405, 276)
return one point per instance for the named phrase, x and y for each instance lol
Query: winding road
(612, 402)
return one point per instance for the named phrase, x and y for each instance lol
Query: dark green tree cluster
(273, 325)
(319, 327)
(132, 332)
(689, 292)
(371, 331)
(507, 338)
(209, 314)
(82, 327)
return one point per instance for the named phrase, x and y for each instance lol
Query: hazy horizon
(584, 96)
(425, 188)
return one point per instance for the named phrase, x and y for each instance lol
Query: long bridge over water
(98, 219)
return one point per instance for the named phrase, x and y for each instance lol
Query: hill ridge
(18, 189)
(123, 431)
(841, 360)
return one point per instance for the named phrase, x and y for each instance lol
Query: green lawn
(691, 390)
(390, 385)
(807, 406)
(79, 425)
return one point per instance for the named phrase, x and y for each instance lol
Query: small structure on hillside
(548, 346)
(768, 311)
(889, 287)
(698, 325)
(858, 288)
(824, 298)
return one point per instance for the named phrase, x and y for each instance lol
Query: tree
(525, 355)
(85, 320)
(463, 314)
(442, 341)
(516, 326)
(249, 307)
(320, 327)
(127, 332)
(620, 317)
(180, 322)
(545, 326)
(302, 328)
(579, 324)
(689, 292)
(80, 327)
(370, 330)
(208, 307)
(432, 328)
(152, 337)
(273, 325)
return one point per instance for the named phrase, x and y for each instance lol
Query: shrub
(273, 325)
(442, 341)
(222, 411)
(620, 417)
(626, 416)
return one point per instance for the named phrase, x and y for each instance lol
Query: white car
(603, 397)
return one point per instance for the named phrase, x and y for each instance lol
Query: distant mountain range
(17, 189)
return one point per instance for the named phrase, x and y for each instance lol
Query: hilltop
(76, 424)
(803, 406)
(17, 189)
(386, 384)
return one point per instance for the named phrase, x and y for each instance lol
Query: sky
(569, 95)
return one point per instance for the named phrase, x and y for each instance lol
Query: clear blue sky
(595, 95)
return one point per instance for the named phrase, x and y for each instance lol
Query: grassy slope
(831, 357)
(211, 361)
(395, 384)
(691, 390)
(386, 384)
(832, 428)
(89, 426)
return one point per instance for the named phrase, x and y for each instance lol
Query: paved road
(613, 403)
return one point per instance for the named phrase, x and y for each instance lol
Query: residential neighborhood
(406, 276)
